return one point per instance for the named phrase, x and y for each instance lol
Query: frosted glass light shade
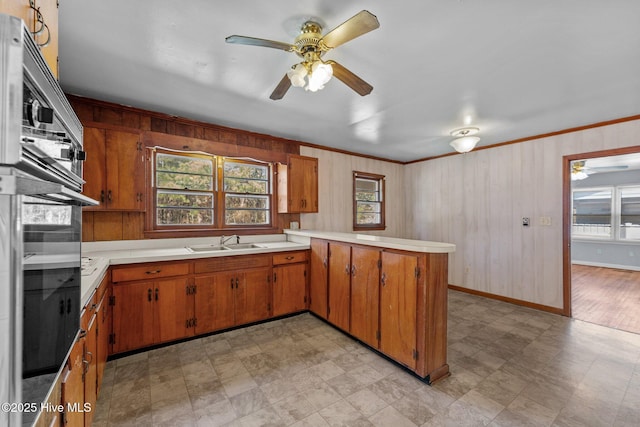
(297, 75)
(464, 144)
(321, 73)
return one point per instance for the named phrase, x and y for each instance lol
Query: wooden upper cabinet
(298, 185)
(114, 170)
(44, 30)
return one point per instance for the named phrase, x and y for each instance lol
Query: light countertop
(103, 254)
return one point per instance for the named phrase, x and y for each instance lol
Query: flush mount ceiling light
(465, 141)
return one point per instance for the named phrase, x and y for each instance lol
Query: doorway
(601, 236)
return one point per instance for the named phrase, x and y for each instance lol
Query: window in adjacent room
(368, 203)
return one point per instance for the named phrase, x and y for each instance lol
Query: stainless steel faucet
(224, 240)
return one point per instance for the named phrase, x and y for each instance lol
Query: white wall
(335, 175)
(477, 201)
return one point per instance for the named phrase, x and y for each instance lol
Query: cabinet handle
(347, 269)
(289, 258)
(156, 294)
(61, 307)
(68, 305)
(353, 270)
(275, 278)
(102, 196)
(153, 272)
(232, 283)
(149, 294)
(324, 262)
(237, 283)
(109, 195)
(383, 279)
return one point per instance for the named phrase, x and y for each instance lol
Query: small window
(368, 203)
(247, 189)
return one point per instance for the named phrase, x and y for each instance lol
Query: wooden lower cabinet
(103, 317)
(231, 298)
(398, 315)
(365, 294)
(394, 301)
(319, 276)
(72, 386)
(290, 282)
(90, 378)
(339, 285)
(147, 313)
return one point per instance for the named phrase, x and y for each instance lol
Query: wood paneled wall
(335, 175)
(174, 132)
(477, 201)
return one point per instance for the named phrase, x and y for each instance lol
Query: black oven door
(51, 280)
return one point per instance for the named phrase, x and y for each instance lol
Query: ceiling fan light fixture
(297, 75)
(320, 75)
(577, 176)
(465, 141)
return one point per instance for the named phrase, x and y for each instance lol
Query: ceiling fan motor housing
(308, 42)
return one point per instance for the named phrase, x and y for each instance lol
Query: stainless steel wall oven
(40, 221)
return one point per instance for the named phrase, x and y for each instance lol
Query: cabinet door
(223, 299)
(72, 387)
(289, 289)
(310, 185)
(93, 169)
(398, 295)
(296, 184)
(90, 367)
(319, 276)
(205, 309)
(253, 296)
(125, 171)
(132, 316)
(170, 309)
(339, 284)
(365, 294)
(102, 332)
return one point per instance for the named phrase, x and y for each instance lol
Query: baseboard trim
(605, 265)
(541, 307)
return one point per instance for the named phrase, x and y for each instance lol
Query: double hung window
(368, 203)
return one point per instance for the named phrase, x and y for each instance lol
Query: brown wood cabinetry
(289, 282)
(395, 301)
(398, 302)
(231, 291)
(89, 376)
(365, 294)
(339, 284)
(318, 283)
(103, 317)
(298, 185)
(72, 386)
(114, 169)
(42, 21)
(149, 311)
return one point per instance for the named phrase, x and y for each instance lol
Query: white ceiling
(512, 68)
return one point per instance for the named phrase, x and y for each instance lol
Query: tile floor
(511, 366)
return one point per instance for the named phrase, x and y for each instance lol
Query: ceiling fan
(580, 170)
(311, 45)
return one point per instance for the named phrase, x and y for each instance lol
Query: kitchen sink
(242, 246)
(207, 248)
(227, 247)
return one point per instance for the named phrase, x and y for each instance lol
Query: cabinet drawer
(149, 272)
(289, 257)
(232, 263)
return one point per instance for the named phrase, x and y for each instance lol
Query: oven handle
(21, 185)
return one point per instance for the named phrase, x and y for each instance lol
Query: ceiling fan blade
(359, 24)
(347, 77)
(281, 89)
(252, 41)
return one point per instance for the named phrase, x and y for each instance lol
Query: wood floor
(606, 296)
